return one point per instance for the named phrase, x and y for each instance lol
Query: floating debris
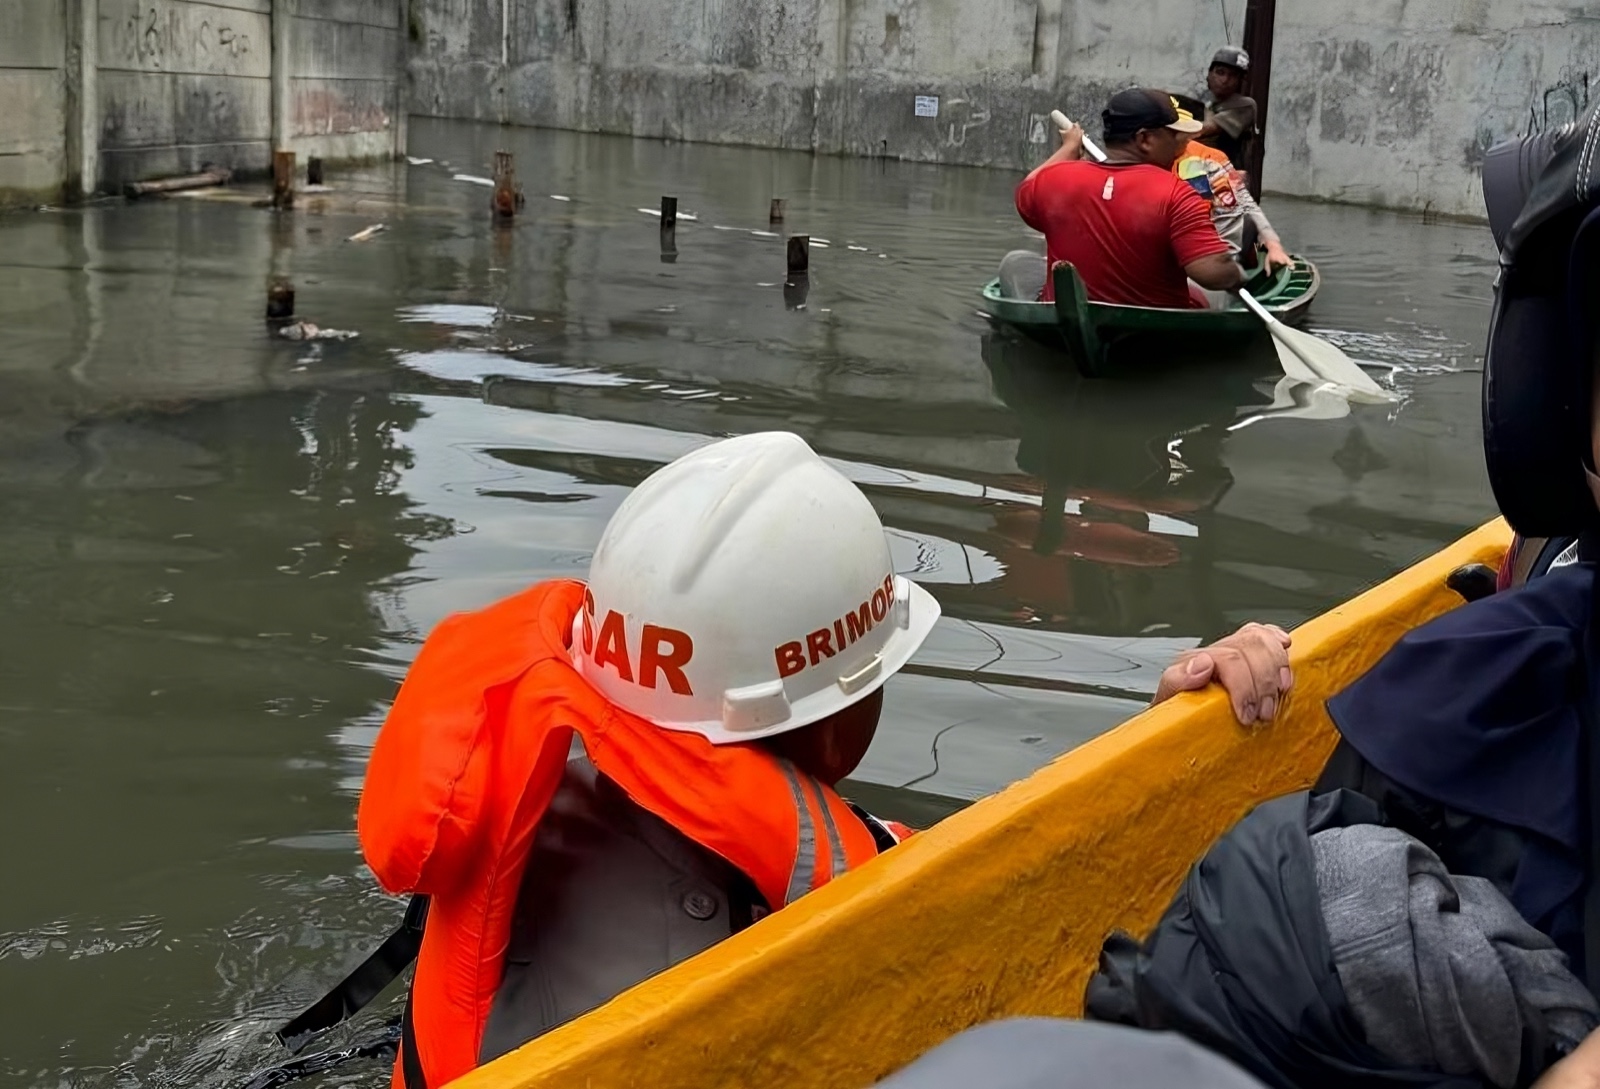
(859, 249)
(474, 179)
(363, 235)
(305, 330)
(766, 234)
(820, 242)
(690, 216)
(558, 196)
(414, 161)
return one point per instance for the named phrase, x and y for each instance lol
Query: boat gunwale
(863, 975)
(1046, 313)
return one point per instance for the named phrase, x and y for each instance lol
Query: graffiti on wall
(1562, 103)
(168, 35)
(964, 116)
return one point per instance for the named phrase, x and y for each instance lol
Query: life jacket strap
(361, 986)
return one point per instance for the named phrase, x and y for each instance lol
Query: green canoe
(1101, 336)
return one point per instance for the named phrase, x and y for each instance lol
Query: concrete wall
(837, 76)
(33, 57)
(184, 83)
(101, 92)
(1398, 106)
(345, 97)
(1387, 102)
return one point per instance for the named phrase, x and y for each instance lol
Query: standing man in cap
(1135, 232)
(1230, 124)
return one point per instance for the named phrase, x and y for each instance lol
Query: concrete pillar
(1047, 41)
(402, 98)
(832, 70)
(82, 98)
(282, 117)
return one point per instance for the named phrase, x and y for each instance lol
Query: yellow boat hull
(1000, 909)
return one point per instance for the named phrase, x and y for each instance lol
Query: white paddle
(1061, 122)
(1298, 352)
(1304, 357)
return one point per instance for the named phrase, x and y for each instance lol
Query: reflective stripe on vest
(807, 793)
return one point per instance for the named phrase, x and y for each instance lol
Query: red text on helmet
(663, 651)
(826, 642)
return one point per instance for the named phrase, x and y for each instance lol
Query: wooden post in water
(282, 179)
(1259, 17)
(669, 211)
(280, 302)
(799, 253)
(313, 171)
(776, 213)
(503, 203)
(669, 244)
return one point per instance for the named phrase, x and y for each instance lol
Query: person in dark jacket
(1471, 731)
(1364, 961)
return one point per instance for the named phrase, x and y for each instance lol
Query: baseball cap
(1233, 57)
(1140, 108)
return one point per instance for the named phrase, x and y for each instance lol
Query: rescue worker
(1230, 120)
(1134, 232)
(720, 671)
(1234, 212)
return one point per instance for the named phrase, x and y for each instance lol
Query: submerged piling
(799, 252)
(282, 179)
(669, 211)
(313, 171)
(669, 244)
(796, 289)
(775, 214)
(280, 302)
(504, 203)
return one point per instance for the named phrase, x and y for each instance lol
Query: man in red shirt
(1136, 233)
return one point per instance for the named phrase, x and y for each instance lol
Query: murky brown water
(218, 551)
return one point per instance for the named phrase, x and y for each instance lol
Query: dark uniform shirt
(1236, 117)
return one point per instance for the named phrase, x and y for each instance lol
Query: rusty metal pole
(1259, 18)
(282, 179)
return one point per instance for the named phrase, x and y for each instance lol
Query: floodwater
(218, 551)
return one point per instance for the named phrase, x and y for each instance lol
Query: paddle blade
(1295, 399)
(1325, 362)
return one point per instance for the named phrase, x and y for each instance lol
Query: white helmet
(744, 590)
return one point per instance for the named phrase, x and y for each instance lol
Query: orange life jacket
(469, 758)
(1220, 185)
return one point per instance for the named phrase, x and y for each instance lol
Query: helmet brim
(923, 612)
